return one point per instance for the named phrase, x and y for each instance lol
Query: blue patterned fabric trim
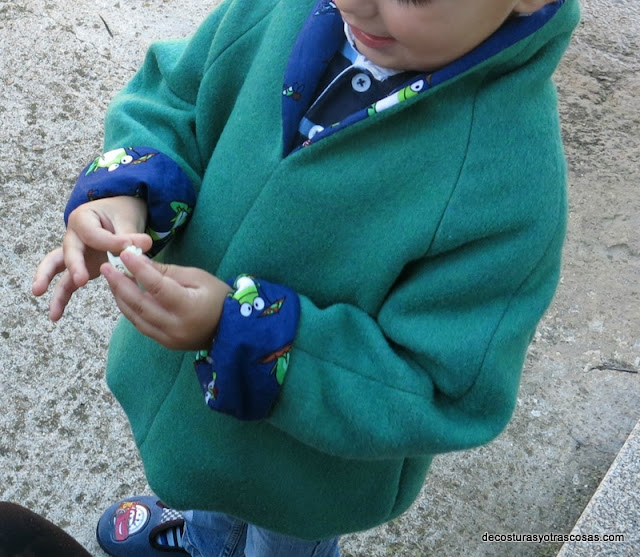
(242, 373)
(144, 173)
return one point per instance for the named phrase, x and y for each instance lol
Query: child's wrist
(220, 292)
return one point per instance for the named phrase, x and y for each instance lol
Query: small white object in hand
(117, 262)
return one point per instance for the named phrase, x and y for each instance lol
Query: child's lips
(369, 40)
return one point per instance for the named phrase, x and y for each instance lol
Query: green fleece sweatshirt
(424, 243)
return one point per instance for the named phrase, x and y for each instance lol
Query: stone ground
(65, 448)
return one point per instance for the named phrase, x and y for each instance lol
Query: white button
(314, 130)
(361, 82)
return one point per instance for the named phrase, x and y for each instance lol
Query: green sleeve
(437, 370)
(157, 108)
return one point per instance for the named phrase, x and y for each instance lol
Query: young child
(383, 183)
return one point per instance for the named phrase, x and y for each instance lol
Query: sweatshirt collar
(361, 61)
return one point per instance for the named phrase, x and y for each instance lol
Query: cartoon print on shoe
(141, 527)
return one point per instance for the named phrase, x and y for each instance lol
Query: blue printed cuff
(144, 173)
(242, 373)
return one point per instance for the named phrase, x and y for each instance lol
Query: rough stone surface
(612, 511)
(65, 447)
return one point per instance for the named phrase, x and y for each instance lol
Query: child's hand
(179, 307)
(94, 228)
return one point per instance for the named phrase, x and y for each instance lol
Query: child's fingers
(136, 301)
(139, 307)
(74, 250)
(138, 239)
(51, 265)
(174, 305)
(92, 230)
(62, 293)
(145, 320)
(77, 246)
(156, 280)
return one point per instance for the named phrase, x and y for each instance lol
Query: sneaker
(141, 527)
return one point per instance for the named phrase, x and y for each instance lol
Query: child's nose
(361, 9)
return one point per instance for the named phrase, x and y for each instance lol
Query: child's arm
(98, 215)
(151, 149)
(438, 368)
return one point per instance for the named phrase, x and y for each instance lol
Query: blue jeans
(210, 534)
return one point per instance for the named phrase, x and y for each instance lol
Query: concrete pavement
(65, 447)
